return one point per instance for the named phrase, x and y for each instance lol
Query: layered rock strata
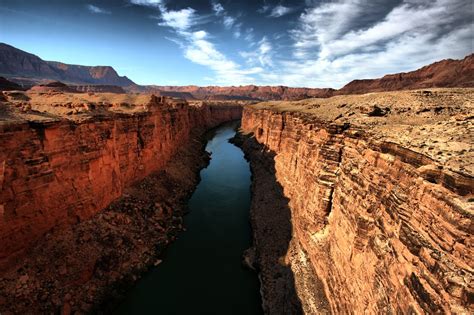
(56, 171)
(89, 266)
(377, 226)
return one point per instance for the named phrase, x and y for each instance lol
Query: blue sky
(314, 43)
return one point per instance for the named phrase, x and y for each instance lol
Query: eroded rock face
(378, 234)
(55, 171)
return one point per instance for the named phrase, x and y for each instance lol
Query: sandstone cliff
(65, 157)
(381, 222)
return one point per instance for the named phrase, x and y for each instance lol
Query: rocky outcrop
(98, 88)
(371, 231)
(6, 85)
(52, 87)
(56, 171)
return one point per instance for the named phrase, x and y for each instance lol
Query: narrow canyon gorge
(360, 203)
(264, 157)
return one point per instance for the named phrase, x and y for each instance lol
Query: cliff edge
(376, 191)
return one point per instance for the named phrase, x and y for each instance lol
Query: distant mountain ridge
(444, 73)
(18, 65)
(246, 92)
(27, 69)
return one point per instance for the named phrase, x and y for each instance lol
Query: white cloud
(329, 49)
(151, 3)
(218, 8)
(228, 72)
(332, 43)
(96, 10)
(180, 20)
(264, 50)
(261, 56)
(200, 34)
(197, 46)
(228, 21)
(264, 9)
(279, 11)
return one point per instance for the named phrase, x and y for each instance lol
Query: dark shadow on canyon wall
(272, 230)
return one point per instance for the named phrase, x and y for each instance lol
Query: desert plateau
(244, 157)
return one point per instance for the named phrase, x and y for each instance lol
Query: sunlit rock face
(58, 171)
(380, 234)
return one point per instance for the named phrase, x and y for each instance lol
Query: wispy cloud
(150, 3)
(329, 44)
(249, 36)
(279, 11)
(197, 45)
(203, 52)
(217, 8)
(329, 49)
(180, 20)
(96, 10)
(228, 21)
(275, 11)
(261, 55)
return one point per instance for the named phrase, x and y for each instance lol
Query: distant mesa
(60, 87)
(54, 86)
(28, 70)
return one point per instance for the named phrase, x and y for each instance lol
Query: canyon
(369, 199)
(361, 198)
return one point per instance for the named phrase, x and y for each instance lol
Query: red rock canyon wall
(62, 172)
(380, 237)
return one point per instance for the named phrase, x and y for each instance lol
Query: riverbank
(87, 267)
(272, 240)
